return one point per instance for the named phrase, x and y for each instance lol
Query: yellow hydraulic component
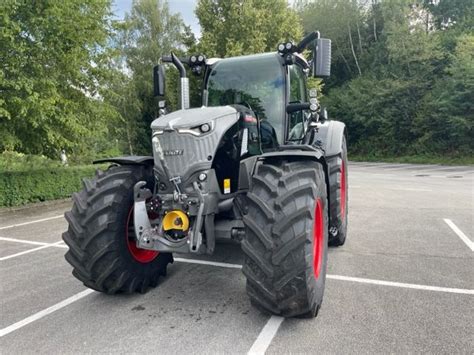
(227, 186)
(176, 219)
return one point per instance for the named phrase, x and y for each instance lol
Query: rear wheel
(338, 198)
(101, 236)
(285, 243)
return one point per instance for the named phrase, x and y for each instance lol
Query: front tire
(285, 243)
(100, 237)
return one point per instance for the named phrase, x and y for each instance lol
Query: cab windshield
(256, 81)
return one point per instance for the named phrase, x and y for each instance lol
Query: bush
(21, 187)
(14, 161)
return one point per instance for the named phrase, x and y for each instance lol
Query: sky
(183, 7)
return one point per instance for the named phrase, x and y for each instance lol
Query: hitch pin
(176, 181)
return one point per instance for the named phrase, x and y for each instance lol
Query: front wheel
(285, 243)
(101, 235)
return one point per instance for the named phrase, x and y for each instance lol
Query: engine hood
(186, 149)
(191, 117)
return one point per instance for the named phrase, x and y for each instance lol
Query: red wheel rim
(318, 238)
(343, 191)
(141, 255)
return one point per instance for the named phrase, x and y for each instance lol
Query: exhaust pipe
(184, 83)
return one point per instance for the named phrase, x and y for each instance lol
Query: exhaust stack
(184, 83)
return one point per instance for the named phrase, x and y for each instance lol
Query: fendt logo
(172, 153)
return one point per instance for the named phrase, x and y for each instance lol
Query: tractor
(259, 163)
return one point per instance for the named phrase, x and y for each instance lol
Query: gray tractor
(259, 163)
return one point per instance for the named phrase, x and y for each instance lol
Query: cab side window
(298, 94)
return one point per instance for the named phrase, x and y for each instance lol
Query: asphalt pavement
(403, 282)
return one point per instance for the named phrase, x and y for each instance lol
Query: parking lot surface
(403, 282)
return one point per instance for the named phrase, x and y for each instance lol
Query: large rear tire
(338, 197)
(285, 243)
(102, 245)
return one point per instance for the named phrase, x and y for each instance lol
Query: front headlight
(198, 130)
(155, 142)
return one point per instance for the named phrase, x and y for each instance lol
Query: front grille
(196, 151)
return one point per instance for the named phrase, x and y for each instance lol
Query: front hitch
(153, 237)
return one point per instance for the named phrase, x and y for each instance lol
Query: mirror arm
(307, 40)
(290, 108)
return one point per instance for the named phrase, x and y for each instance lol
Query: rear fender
(329, 136)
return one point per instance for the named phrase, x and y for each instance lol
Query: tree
(402, 80)
(237, 27)
(52, 66)
(445, 121)
(343, 22)
(146, 34)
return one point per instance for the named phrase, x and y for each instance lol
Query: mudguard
(247, 166)
(330, 134)
(127, 160)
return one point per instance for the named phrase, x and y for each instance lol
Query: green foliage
(21, 187)
(342, 22)
(446, 116)
(13, 161)
(235, 27)
(403, 74)
(71, 78)
(148, 32)
(52, 63)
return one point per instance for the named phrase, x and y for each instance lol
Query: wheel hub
(143, 256)
(318, 238)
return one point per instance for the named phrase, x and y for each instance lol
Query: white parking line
(409, 189)
(22, 241)
(401, 284)
(460, 234)
(57, 244)
(268, 332)
(329, 276)
(44, 312)
(30, 222)
(266, 335)
(205, 262)
(348, 278)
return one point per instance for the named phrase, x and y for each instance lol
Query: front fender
(300, 152)
(127, 160)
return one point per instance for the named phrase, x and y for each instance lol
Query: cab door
(297, 121)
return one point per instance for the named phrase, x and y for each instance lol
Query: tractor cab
(257, 81)
(271, 85)
(266, 85)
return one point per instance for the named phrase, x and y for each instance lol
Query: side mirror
(321, 64)
(324, 114)
(158, 81)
